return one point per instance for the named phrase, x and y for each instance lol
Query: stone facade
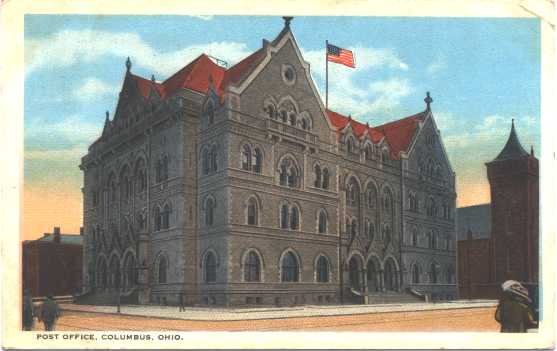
(236, 186)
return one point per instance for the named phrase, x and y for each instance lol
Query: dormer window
(368, 152)
(350, 145)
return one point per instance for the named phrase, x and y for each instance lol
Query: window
(209, 211)
(322, 227)
(214, 159)
(292, 119)
(257, 160)
(210, 268)
(246, 158)
(288, 173)
(370, 230)
(415, 237)
(433, 273)
(165, 217)
(157, 217)
(430, 239)
(289, 268)
(387, 201)
(252, 212)
(252, 268)
(450, 275)
(448, 243)
(125, 187)
(385, 155)
(205, 162)
(284, 116)
(163, 267)
(141, 184)
(350, 145)
(368, 152)
(322, 271)
(317, 173)
(294, 218)
(271, 112)
(415, 274)
(386, 234)
(288, 74)
(434, 240)
(325, 182)
(284, 217)
(371, 197)
(304, 124)
(112, 188)
(348, 226)
(353, 228)
(351, 195)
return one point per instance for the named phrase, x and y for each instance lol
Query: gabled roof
(239, 71)
(400, 133)
(340, 122)
(513, 148)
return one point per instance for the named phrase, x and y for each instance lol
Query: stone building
(511, 248)
(237, 186)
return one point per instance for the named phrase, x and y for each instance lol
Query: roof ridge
(191, 63)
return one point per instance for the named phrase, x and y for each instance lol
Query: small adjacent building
(499, 241)
(52, 264)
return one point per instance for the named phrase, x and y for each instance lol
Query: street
(473, 319)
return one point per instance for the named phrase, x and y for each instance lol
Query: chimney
(56, 234)
(81, 231)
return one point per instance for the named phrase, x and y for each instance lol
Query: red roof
(400, 133)
(195, 76)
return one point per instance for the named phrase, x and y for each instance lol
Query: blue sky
(481, 72)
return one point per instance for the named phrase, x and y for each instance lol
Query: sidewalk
(235, 314)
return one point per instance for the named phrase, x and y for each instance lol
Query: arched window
(370, 230)
(210, 265)
(112, 189)
(252, 212)
(415, 237)
(289, 268)
(205, 161)
(102, 275)
(125, 186)
(166, 217)
(284, 116)
(163, 267)
(252, 268)
(304, 124)
(257, 160)
(430, 239)
(351, 195)
(141, 179)
(214, 159)
(325, 182)
(431, 207)
(271, 113)
(209, 211)
(368, 152)
(294, 218)
(433, 240)
(385, 156)
(322, 227)
(322, 270)
(292, 119)
(348, 226)
(433, 273)
(415, 274)
(288, 173)
(317, 174)
(387, 234)
(371, 197)
(246, 158)
(157, 217)
(353, 228)
(387, 201)
(284, 214)
(350, 145)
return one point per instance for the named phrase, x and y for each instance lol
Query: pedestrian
(181, 302)
(28, 316)
(50, 312)
(513, 312)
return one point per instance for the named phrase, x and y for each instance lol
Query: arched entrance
(373, 276)
(391, 275)
(355, 273)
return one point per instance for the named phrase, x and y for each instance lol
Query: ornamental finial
(128, 64)
(428, 100)
(287, 20)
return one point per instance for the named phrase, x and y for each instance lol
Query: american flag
(340, 55)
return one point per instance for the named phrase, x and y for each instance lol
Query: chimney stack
(56, 233)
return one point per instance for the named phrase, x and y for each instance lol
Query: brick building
(511, 249)
(236, 186)
(52, 264)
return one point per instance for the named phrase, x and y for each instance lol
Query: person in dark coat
(28, 317)
(513, 312)
(50, 311)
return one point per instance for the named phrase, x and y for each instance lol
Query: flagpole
(326, 75)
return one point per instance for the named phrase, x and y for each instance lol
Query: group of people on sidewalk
(48, 312)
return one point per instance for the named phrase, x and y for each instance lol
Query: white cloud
(69, 47)
(436, 66)
(94, 88)
(203, 17)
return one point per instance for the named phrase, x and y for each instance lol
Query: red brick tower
(513, 178)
